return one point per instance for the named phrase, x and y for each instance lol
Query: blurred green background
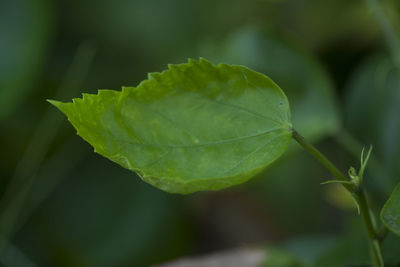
(63, 205)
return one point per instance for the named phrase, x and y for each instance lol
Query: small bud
(354, 177)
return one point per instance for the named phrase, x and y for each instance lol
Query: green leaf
(390, 214)
(336, 181)
(306, 83)
(193, 127)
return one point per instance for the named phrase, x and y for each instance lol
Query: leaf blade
(390, 213)
(306, 83)
(193, 127)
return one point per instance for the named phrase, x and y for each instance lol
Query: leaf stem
(320, 157)
(357, 191)
(375, 243)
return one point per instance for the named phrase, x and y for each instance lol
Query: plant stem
(359, 194)
(375, 243)
(321, 158)
(382, 233)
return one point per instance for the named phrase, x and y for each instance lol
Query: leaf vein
(245, 109)
(227, 141)
(251, 153)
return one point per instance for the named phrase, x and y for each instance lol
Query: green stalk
(321, 158)
(357, 191)
(375, 244)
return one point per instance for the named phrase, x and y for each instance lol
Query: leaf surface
(306, 83)
(193, 127)
(390, 214)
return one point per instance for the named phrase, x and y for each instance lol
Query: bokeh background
(63, 205)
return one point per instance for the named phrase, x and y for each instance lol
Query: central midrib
(226, 141)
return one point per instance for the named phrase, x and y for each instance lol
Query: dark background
(67, 206)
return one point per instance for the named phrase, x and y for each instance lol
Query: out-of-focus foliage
(100, 205)
(280, 258)
(25, 27)
(372, 112)
(351, 250)
(280, 184)
(327, 250)
(339, 197)
(85, 211)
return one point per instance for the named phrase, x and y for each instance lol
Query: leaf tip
(55, 103)
(59, 105)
